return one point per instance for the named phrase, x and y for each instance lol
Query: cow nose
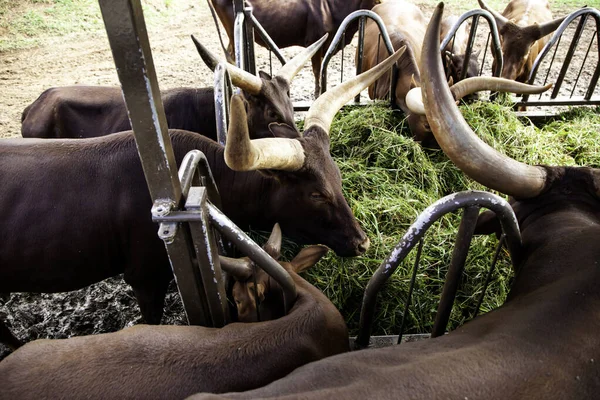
(364, 246)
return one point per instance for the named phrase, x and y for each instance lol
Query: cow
(304, 20)
(90, 111)
(524, 26)
(66, 227)
(254, 286)
(173, 362)
(542, 343)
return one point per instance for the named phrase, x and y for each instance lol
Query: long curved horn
(293, 66)
(239, 268)
(469, 153)
(501, 20)
(414, 99)
(243, 154)
(323, 110)
(549, 27)
(240, 78)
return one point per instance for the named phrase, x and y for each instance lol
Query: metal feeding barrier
(186, 206)
(471, 202)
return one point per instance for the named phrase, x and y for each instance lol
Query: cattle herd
(68, 223)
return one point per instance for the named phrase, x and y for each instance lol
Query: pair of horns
(243, 154)
(241, 268)
(544, 29)
(469, 153)
(252, 83)
(414, 98)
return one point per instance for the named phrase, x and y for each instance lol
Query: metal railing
(471, 202)
(184, 205)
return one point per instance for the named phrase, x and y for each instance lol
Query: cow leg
(316, 67)
(150, 295)
(8, 338)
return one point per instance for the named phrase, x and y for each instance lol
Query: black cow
(90, 111)
(75, 212)
(543, 342)
(296, 22)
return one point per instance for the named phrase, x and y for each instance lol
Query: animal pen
(186, 203)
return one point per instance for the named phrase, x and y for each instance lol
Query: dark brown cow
(172, 362)
(66, 227)
(543, 342)
(524, 26)
(90, 111)
(296, 22)
(253, 285)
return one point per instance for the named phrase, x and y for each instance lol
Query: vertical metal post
(128, 38)
(250, 59)
(457, 265)
(568, 57)
(361, 48)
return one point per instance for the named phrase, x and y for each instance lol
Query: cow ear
(264, 75)
(283, 131)
(260, 291)
(308, 257)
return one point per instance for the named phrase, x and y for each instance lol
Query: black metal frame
(471, 202)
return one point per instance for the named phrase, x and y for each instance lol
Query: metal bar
(417, 230)
(255, 253)
(361, 47)
(208, 258)
(485, 52)
(339, 35)
(455, 271)
(223, 92)
(559, 101)
(128, 38)
(250, 58)
(568, 57)
(470, 43)
(587, 53)
(594, 80)
(411, 287)
(239, 40)
(488, 278)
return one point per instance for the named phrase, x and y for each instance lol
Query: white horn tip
(414, 101)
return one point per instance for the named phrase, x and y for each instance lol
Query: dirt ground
(86, 59)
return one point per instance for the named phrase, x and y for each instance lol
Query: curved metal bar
(417, 230)
(475, 14)
(339, 35)
(195, 161)
(255, 253)
(223, 92)
(557, 34)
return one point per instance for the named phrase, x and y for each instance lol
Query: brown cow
(90, 111)
(67, 222)
(455, 52)
(543, 342)
(296, 22)
(524, 26)
(172, 362)
(253, 285)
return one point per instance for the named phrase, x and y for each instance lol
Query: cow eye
(271, 113)
(317, 196)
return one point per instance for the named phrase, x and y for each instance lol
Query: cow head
(253, 286)
(268, 105)
(455, 64)
(518, 43)
(308, 200)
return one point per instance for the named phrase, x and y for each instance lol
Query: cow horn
(414, 99)
(469, 153)
(293, 66)
(501, 20)
(273, 245)
(240, 78)
(323, 110)
(243, 154)
(239, 268)
(549, 27)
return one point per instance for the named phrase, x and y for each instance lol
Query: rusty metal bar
(223, 93)
(455, 271)
(128, 38)
(417, 230)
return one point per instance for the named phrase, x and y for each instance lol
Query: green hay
(388, 180)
